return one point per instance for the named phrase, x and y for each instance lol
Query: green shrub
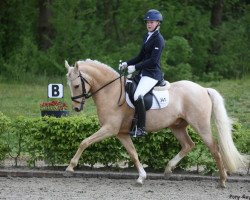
(55, 140)
(178, 54)
(178, 51)
(5, 124)
(242, 138)
(182, 71)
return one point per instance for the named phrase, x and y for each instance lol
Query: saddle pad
(161, 95)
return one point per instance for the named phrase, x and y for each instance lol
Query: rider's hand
(131, 69)
(123, 66)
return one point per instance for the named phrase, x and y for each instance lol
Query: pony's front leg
(129, 146)
(101, 134)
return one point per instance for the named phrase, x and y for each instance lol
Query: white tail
(232, 158)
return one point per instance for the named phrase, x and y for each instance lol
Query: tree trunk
(45, 30)
(107, 4)
(215, 20)
(216, 14)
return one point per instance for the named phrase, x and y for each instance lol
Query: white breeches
(145, 85)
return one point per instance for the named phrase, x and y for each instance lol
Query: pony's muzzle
(76, 103)
(77, 109)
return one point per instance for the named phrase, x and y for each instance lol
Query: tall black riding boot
(139, 130)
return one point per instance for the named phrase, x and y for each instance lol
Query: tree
(36, 36)
(45, 29)
(215, 22)
(216, 13)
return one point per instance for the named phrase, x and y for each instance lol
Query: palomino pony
(190, 104)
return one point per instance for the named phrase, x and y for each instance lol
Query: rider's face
(151, 25)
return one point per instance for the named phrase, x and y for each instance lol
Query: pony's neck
(98, 72)
(100, 75)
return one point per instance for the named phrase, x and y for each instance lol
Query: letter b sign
(55, 90)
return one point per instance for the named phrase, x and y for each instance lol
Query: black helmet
(153, 15)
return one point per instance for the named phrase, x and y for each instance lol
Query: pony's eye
(77, 86)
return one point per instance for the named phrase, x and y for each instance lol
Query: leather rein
(86, 95)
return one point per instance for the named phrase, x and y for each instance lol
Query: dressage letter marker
(55, 90)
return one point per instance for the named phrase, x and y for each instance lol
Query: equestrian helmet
(153, 15)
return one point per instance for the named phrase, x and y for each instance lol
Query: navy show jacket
(148, 59)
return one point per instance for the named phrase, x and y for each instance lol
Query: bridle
(85, 95)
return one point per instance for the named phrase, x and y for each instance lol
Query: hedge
(55, 140)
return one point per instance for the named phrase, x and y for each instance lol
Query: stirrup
(138, 132)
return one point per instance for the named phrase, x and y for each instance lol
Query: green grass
(23, 99)
(236, 95)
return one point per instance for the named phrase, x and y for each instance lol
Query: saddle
(130, 88)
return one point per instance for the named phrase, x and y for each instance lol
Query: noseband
(86, 95)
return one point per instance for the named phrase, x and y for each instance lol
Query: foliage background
(37, 36)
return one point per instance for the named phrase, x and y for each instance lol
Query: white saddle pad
(161, 94)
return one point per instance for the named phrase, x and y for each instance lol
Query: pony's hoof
(222, 185)
(168, 172)
(137, 184)
(69, 169)
(140, 181)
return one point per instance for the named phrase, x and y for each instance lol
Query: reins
(122, 73)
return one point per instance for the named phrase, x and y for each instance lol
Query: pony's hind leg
(206, 135)
(129, 146)
(186, 146)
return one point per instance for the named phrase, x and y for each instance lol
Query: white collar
(150, 33)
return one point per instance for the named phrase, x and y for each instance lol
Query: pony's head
(79, 86)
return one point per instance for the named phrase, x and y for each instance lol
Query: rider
(147, 62)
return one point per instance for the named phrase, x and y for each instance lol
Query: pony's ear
(67, 65)
(76, 67)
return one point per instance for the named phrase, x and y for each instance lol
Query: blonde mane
(97, 64)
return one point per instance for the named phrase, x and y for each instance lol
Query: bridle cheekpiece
(84, 94)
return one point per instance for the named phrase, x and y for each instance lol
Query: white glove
(131, 69)
(123, 66)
